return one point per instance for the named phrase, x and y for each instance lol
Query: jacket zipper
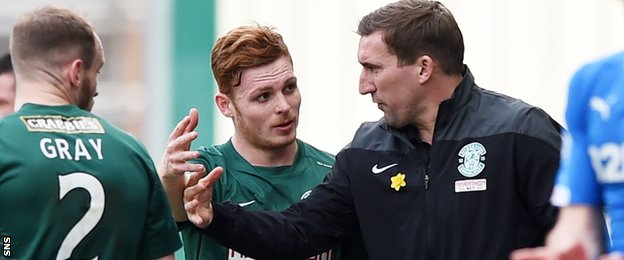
(427, 170)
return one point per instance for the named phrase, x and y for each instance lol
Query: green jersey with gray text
(74, 186)
(254, 187)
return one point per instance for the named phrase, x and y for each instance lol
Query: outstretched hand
(198, 198)
(174, 162)
(575, 252)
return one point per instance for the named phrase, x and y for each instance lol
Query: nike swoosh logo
(380, 170)
(244, 204)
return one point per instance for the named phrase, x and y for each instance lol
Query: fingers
(178, 162)
(181, 143)
(198, 220)
(193, 120)
(175, 162)
(180, 128)
(192, 192)
(191, 206)
(212, 177)
(612, 256)
(194, 178)
(181, 168)
(186, 125)
(539, 253)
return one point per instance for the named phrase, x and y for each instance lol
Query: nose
(366, 84)
(282, 105)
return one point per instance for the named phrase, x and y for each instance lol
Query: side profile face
(7, 93)
(265, 106)
(88, 85)
(394, 89)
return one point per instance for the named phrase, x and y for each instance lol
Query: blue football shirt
(592, 163)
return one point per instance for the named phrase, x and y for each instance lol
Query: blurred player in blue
(591, 175)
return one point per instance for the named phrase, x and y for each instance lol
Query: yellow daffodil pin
(398, 181)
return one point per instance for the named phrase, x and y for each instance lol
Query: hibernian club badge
(471, 158)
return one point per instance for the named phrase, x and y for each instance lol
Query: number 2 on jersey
(96, 208)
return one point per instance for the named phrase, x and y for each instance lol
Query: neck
(265, 156)
(442, 89)
(42, 93)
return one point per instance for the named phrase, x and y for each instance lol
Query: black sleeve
(537, 162)
(307, 228)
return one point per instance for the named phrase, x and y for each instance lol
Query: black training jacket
(479, 191)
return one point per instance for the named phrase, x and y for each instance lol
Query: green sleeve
(160, 233)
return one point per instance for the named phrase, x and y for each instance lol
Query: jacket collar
(462, 93)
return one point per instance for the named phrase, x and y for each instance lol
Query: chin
(282, 142)
(394, 123)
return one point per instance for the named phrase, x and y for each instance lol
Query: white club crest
(471, 158)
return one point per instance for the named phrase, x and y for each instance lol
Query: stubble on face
(266, 106)
(391, 86)
(88, 86)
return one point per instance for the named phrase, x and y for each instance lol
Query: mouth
(286, 125)
(380, 106)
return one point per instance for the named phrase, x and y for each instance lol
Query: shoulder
(369, 132)
(222, 155)
(592, 74)
(315, 153)
(209, 151)
(504, 114)
(214, 154)
(124, 137)
(615, 61)
(9, 122)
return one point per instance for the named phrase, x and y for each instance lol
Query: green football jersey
(253, 187)
(74, 186)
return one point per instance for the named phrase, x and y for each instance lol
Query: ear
(75, 72)
(224, 104)
(426, 67)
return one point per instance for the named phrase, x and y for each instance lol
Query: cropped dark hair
(413, 28)
(50, 36)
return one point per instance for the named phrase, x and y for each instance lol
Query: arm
(575, 236)
(575, 190)
(168, 257)
(536, 163)
(174, 163)
(308, 227)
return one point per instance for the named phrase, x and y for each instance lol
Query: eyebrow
(290, 80)
(368, 64)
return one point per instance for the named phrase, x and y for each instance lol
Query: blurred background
(158, 56)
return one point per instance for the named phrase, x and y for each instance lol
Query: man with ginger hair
(266, 166)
